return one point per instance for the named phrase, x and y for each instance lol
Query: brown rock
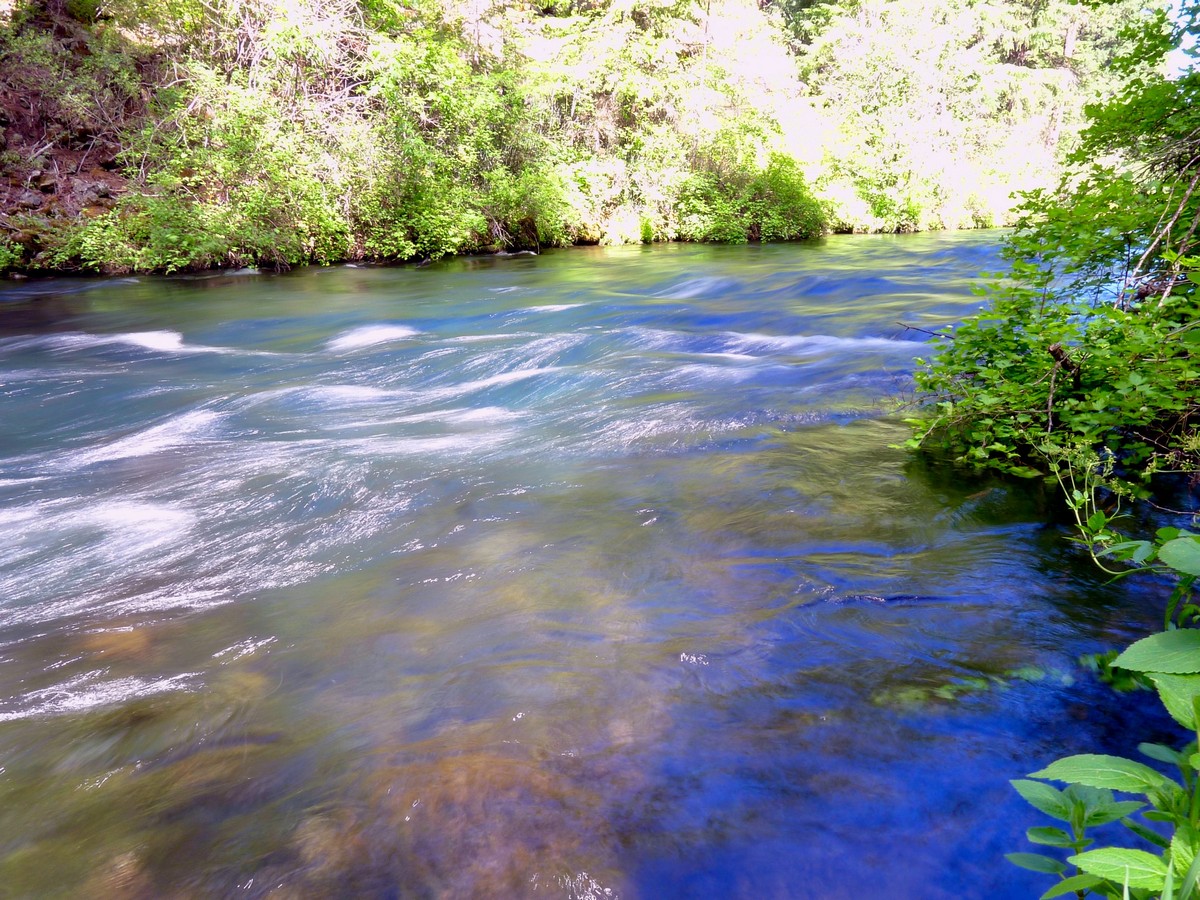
(123, 878)
(120, 643)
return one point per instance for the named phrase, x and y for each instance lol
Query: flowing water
(594, 574)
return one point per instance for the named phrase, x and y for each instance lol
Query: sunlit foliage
(939, 111)
(1093, 342)
(258, 132)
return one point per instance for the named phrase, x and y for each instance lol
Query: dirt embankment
(68, 89)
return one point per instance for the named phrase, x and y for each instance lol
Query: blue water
(585, 575)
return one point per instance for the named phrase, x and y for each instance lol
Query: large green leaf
(1182, 554)
(1044, 798)
(1136, 868)
(1173, 652)
(1179, 694)
(1097, 770)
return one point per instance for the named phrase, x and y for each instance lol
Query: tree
(939, 111)
(1091, 345)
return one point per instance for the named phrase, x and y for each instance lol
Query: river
(592, 574)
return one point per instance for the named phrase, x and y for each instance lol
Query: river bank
(193, 136)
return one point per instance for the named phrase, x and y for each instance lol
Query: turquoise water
(585, 575)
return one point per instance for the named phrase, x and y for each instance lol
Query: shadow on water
(593, 574)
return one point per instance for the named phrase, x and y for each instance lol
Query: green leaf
(1025, 472)
(1190, 880)
(1179, 694)
(1071, 885)
(1183, 848)
(1044, 798)
(1136, 868)
(1145, 833)
(1100, 771)
(1161, 752)
(1049, 836)
(1111, 813)
(1182, 555)
(1035, 862)
(1138, 551)
(1173, 652)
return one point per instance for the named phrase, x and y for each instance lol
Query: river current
(592, 574)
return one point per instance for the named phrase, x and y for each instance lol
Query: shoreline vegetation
(197, 134)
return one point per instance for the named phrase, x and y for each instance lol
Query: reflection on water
(587, 575)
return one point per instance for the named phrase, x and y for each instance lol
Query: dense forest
(197, 133)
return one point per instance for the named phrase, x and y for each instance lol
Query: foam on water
(22, 514)
(823, 343)
(179, 431)
(103, 540)
(369, 336)
(481, 338)
(465, 415)
(501, 378)
(699, 287)
(88, 691)
(137, 528)
(155, 341)
(242, 649)
(484, 414)
(655, 338)
(554, 307)
(350, 394)
(711, 373)
(18, 482)
(539, 351)
(452, 444)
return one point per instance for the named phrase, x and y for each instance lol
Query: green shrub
(526, 210)
(708, 209)
(10, 255)
(1092, 339)
(781, 206)
(771, 204)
